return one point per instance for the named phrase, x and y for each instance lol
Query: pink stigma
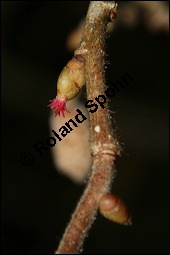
(58, 105)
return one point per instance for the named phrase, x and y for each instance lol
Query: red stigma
(113, 16)
(58, 105)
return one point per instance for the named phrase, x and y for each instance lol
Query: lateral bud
(114, 209)
(70, 82)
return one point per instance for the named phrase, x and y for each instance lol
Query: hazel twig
(103, 142)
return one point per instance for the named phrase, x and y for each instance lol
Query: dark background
(36, 200)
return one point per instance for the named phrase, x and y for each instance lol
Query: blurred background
(37, 200)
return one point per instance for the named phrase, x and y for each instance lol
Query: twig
(104, 146)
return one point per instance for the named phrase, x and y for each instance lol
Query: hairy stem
(104, 146)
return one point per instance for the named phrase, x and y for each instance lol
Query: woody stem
(103, 142)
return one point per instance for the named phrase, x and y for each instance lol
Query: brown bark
(104, 146)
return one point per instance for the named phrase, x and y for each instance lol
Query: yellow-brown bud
(114, 209)
(71, 79)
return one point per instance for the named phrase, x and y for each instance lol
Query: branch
(104, 146)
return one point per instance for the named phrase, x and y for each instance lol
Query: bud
(114, 209)
(70, 81)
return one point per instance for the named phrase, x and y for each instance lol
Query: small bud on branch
(70, 81)
(114, 209)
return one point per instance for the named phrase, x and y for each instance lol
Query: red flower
(58, 105)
